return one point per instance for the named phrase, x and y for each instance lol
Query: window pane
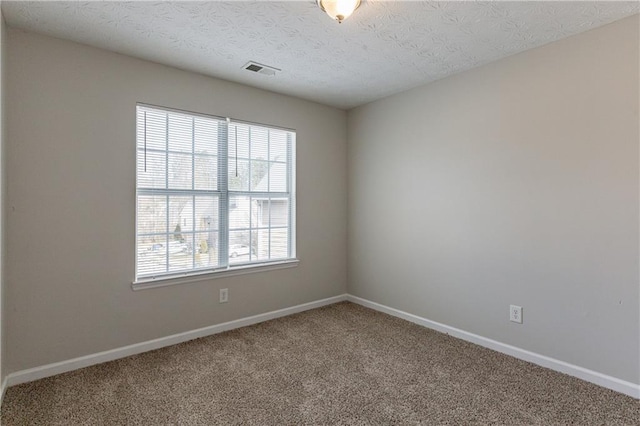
(259, 176)
(155, 175)
(180, 215)
(206, 213)
(206, 173)
(239, 138)
(239, 246)
(239, 212)
(152, 214)
(205, 136)
(181, 252)
(260, 241)
(180, 133)
(180, 171)
(278, 177)
(152, 255)
(278, 145)
(156, 129)
(140, 128)
(279, 212)
(179, 190)
(206, 255)
(238, 175)
(259, 143)
(279, 243)
(261, 208)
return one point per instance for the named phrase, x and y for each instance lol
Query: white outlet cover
(515, 314)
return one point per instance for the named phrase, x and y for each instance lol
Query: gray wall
(3, 130)
(514, 183)
(71, 202)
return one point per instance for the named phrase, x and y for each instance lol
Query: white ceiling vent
(260, 68)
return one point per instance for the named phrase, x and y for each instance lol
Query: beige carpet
(342, 364)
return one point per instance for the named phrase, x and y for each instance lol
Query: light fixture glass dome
(339, 9)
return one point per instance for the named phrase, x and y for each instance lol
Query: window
(212, 194)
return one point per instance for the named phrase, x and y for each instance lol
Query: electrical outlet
(224, 295)
(515, 314)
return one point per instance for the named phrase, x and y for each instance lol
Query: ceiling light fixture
(339, 9)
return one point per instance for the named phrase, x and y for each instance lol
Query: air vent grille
(254, 68)
(260, 68)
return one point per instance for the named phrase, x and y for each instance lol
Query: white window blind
(212, 194)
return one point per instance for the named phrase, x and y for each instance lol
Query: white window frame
(223, 192)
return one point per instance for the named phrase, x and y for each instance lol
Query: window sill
(147, 283)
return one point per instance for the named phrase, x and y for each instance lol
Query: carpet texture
(341, 364)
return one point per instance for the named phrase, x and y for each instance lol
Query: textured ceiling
(384, 48)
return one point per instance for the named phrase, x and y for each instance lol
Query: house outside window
(213, 194)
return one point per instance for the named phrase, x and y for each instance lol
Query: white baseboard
(3, 389)
(36, 373)
(600, 379)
